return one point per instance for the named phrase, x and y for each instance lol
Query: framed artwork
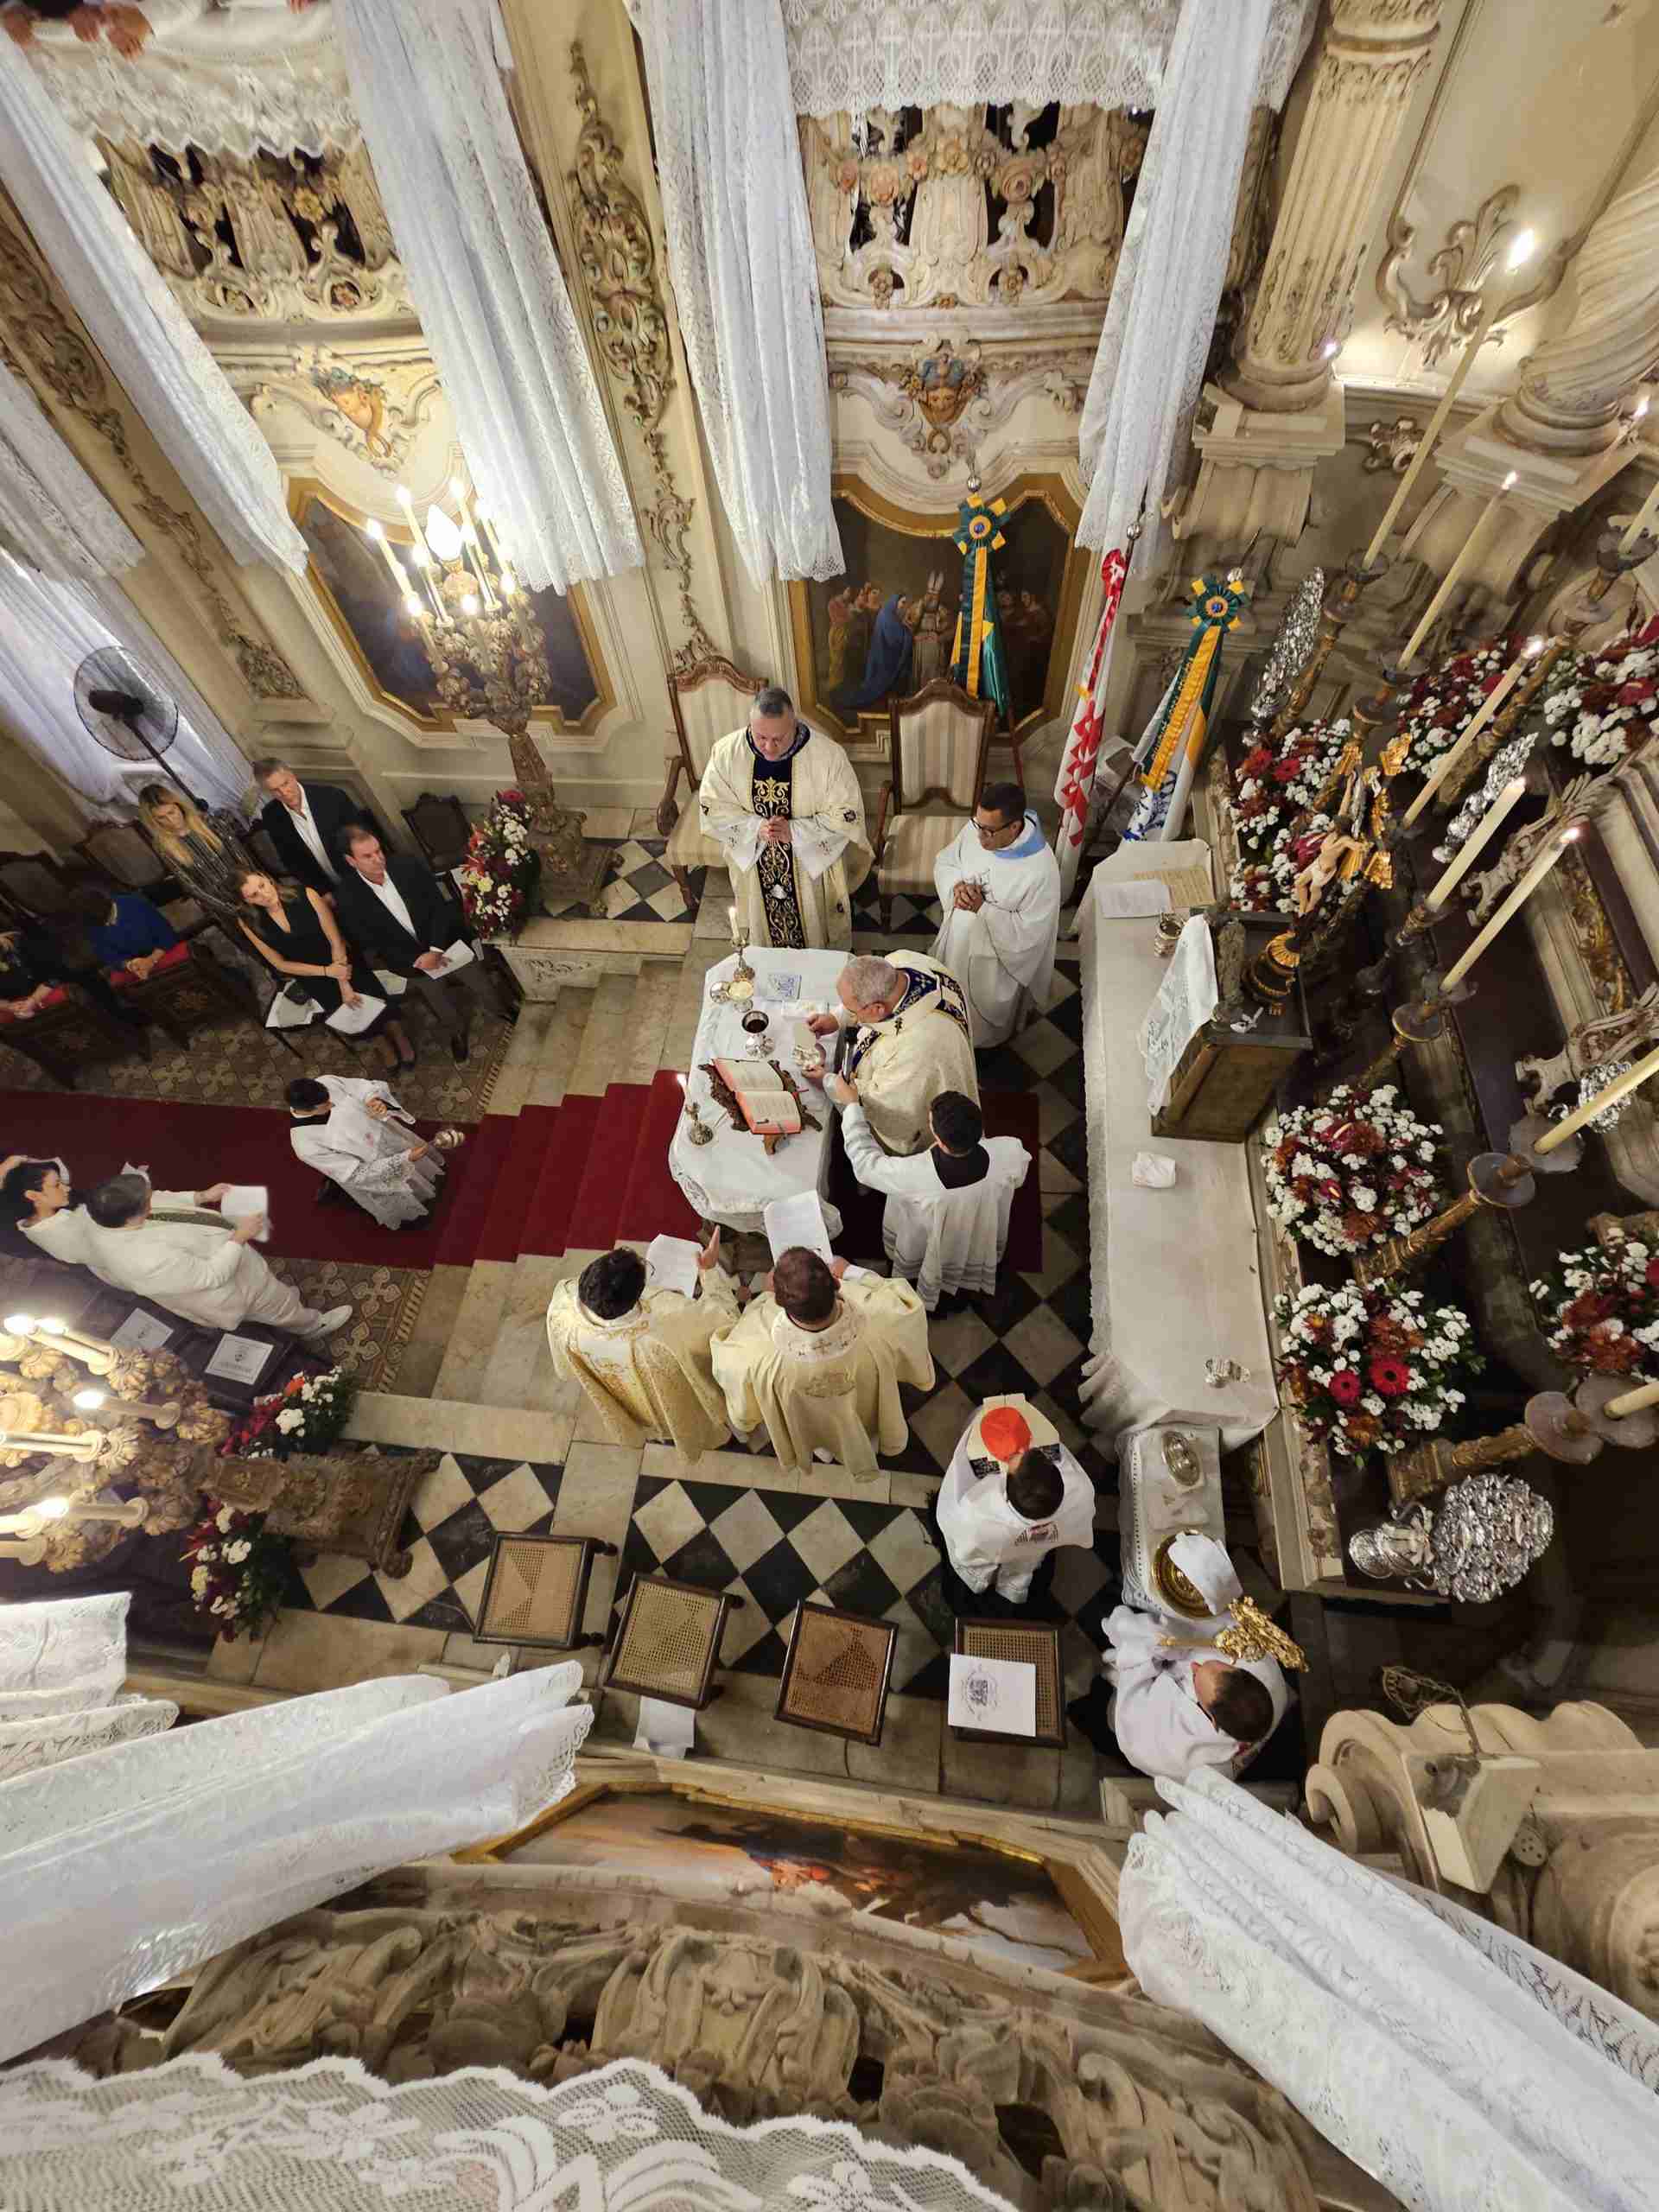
(350, 577)
(887, 626)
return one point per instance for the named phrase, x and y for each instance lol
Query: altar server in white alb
(1176, 1707)
(911, 1040)
(355, 1132)
(783, 802)
(1012, 1494)
(945, 1225)
(1000, 887)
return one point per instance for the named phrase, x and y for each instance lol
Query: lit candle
(1633, 1402)
(164, 1413)
(429, 578)
(471, 539)
(1465, 554)
(84, 1448)
(1520, 252)
(1517, 899)
(28, 1520)
(91, 1351)
(1649, 508)
(1620, 1087)
(406, 500)
(1480, 836)
(1489, 705)
(391, 559)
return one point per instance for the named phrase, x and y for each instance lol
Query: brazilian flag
(978, 663)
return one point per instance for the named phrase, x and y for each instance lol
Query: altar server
(641, 1356)
(354, 1131)
(1012, 1494)
(1185, 1704)
(784, 803)
(912, 1040)
(200, 1267)
(945, 1225)
(1000, 886)
(818, 1358)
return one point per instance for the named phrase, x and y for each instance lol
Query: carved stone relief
(1451, 313)
(373, 409)
(943, 401)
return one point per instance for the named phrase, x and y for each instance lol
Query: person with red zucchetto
(1013, 1493)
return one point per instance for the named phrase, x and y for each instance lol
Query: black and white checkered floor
(640, 889)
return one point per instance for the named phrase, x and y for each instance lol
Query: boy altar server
(354, 1131)
(818, 1358)
(1012, 1494)
(912, 1040)
(641, 1356)
(1000, 886)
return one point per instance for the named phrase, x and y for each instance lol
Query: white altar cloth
(731, 1180)
(1173, 1275)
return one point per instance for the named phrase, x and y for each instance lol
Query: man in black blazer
(399, 914)
(306, 822)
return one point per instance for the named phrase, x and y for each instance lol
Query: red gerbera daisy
(1344, 1386)
(1390, 1377)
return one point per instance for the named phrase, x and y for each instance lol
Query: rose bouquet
(1600, 1308)
(500, 872)
(1602, 705)
(1274, 783)
(1370, 1369)
(1441, 704)
(306, 1415)
(239, 1570)
(1345, 1175)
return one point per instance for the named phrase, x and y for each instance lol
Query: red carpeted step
(545, 1217)
(598, 1204)
(516, 1168)
(653, 1204)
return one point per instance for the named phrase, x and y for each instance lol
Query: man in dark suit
(403, 918)
(306, 822)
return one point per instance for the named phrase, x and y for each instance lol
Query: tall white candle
(1639, 523)
(1633, 1402)
(422, 550)
(1482, 715)
(1465, 554)
(1609, 1095)
(386, 553)
(1479, 837)
(1517, 899)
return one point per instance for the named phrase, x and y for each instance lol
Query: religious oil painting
(887, 626)
(349, 573)
(1007, 1906)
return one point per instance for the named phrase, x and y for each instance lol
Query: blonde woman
(207, 856)
(297, 934)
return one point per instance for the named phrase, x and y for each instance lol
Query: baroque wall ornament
(617, 255)
(1451, 314)
(353, 400)
(40, 342)
(943, 401)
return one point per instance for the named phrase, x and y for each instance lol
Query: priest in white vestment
(641, 1356)
(1176, 1707)
(910, 1040)
(353, 1131)
(784, 804)
(202, 1268)
(946, 1224)
(999, 884)
(818, 1359)
(1012, 1494)
(36, 1198)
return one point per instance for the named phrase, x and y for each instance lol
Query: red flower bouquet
(1600, 1309)
(1370, 1369)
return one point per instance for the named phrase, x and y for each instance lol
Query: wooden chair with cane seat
(440, 829)
(709, 699)
(120, 853)
(67, 1032)
(536, 1593)
(668, 1643)
(837, 1672)
(186, 989)
(940, 740)
(36, 883)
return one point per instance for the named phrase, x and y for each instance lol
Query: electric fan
(126, 713)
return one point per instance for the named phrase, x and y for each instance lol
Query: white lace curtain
(483, 274)
(137, 326)
(52, 514)
(746, 278)
(62, 1665)
(1460, 2066)
(47, 630)
(121, 1869)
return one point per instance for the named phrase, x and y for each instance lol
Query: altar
(731, 1179)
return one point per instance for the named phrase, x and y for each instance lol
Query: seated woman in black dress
(297, 934)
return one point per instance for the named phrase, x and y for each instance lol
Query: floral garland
(1369, 1370)
(1441, 704)
(306, 1415)
(1272, 784)
(239, 1570)
(1602, 705)
(1601, 1308)
(1345, 1175)
(499, 871)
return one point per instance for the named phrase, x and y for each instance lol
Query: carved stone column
(1372, 55)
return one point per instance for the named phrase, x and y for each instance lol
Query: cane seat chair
(709, 699)
(536, 1591)
(1033, 1644)
(187, 989)
(67, 1033)
(440, 826)
(939, 740)
(837, 1672)
(668, 1643)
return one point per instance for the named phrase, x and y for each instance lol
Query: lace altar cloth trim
(1462, 2069)
(864, 54)
(193, 2137)
(62, 1655)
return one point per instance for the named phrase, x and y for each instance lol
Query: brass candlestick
(1422, 1022)
(1499, 729)
(1495, 1178)
(1551, 1423)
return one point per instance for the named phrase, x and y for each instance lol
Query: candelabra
(1495, 1178)
(1550, 1422)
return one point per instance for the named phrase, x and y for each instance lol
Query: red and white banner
(1077, 778)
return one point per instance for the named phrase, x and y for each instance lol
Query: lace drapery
(863, 54)
(483, 275)
(329, 2138)
(121, 1869)
(1460, 2067)
(52, 514)
(62, 1655)
(1156, 335)
(746, 277)
(27, 1744)
(138, 327)
(46, 631)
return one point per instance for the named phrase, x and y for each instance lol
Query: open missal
(765, 1102)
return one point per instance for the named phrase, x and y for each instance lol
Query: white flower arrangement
(1602, 706)
(1351, 1171)
(1369, 1369)
(1440, 705)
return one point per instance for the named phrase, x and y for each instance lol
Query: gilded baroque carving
(944, 400)
(618, 256)
(38, 333)
(1450, 315)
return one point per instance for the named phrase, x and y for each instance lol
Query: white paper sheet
(783, 988)
(455, 956)
(998, 1694)
(243, 1198)
(238, 1359)
(798, 1220)
(141, 1332)
(669, 1730)
(671, 1264)
(352, 1020)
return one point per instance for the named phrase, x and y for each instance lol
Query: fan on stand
(125, 713)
